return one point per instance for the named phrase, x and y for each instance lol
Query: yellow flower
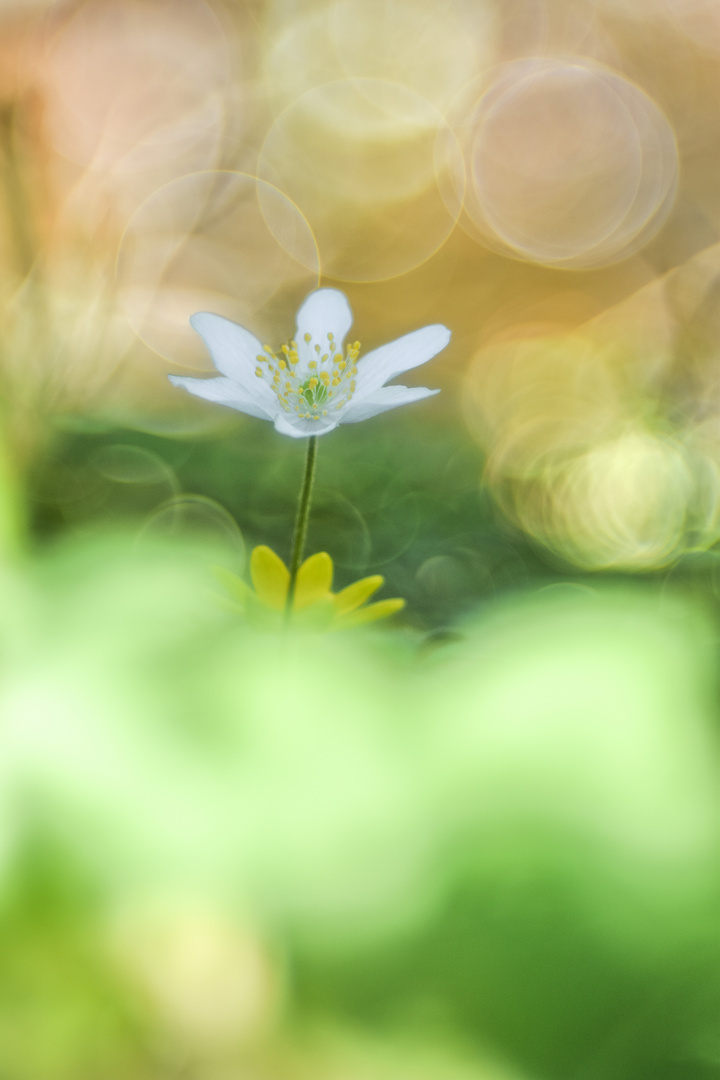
(314, 602)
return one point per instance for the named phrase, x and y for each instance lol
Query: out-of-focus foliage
(477, 842)
(510, 843)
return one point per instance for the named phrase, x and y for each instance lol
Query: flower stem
(301, 521)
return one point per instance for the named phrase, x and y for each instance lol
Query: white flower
(313, 383)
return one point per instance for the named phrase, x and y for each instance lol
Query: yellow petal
(382, 610)
(314, 580)
(357, 593)
(270, 577)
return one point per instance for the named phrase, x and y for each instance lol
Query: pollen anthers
(312, 384)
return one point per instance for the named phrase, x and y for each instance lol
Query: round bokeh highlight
(359, 157)
(202, 243)
(568, 164)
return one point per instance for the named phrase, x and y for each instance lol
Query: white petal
(234, 351)
(325, 311)
(223, 392)
(388, 397)
(301, 429)
(393, 359)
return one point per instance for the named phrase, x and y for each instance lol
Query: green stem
(301, 521)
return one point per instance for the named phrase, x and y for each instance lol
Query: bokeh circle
(202, 243)
(133, 86)
(359, 157)
(568, 163)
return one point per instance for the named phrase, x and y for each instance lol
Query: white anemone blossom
(315, 382)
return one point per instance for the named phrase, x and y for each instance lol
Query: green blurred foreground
(229, 855)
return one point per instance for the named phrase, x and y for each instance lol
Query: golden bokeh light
(622, 504)
(359, 158)
(210, 241)
(581, 450)
(699, 19)
(568, 163)
(137, 85)
(428, 47)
